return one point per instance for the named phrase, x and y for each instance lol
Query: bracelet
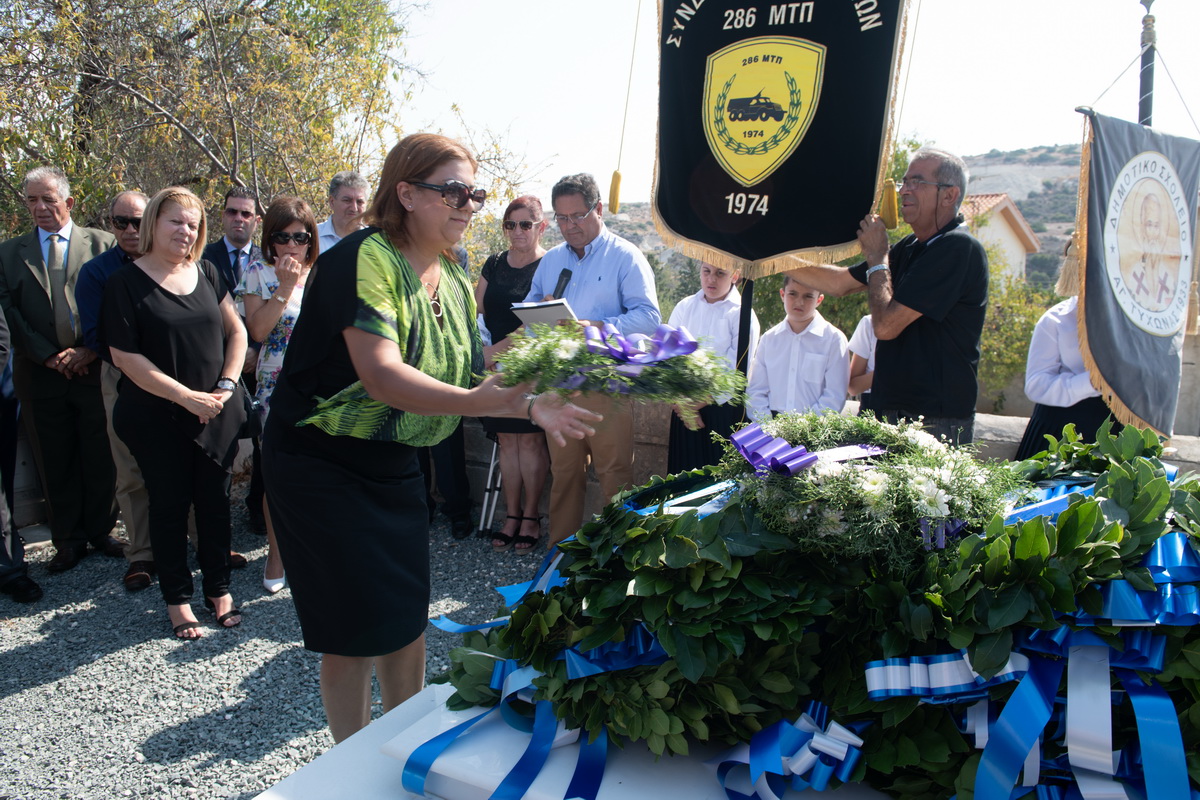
(876, 268)
(529, 409)
(284, 300)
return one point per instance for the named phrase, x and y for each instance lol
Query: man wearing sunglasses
(928, 297)
(609, 280)
(56, 376)
(347, 202)
(235, 251)
(124, 219)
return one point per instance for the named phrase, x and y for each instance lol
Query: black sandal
(530, 542)
(221, 620)
(184, 627)
(506, 540)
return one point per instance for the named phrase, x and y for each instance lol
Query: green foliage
(276, 95)
(1014, 308)
(557, 359)
(755, 623)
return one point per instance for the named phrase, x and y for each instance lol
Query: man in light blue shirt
(609, 281)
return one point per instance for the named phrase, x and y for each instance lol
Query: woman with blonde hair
(175, 334)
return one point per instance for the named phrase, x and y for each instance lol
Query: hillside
(1044, 183)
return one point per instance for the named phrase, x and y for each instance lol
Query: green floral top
(392, 303)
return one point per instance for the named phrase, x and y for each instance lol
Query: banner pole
(1146, 92)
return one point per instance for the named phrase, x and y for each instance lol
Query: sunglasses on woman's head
(511, 224)
(283, 237)
(456, 193)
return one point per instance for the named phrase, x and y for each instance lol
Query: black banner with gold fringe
(1139, 189)
(774, 127)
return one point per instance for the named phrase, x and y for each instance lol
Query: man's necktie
(64, 319)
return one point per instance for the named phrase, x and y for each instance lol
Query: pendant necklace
(435, 302)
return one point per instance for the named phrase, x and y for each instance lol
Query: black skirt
(690, 449)
(1088, 415)
(353, 532)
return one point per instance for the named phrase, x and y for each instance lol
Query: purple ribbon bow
(768, 453)
(632, 354)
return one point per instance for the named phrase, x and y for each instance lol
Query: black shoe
(110, 545)
(461, 526)
(66, 558)
(22, 589)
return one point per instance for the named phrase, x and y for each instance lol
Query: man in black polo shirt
(928, 297)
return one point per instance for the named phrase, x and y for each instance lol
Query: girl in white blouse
(712, 316)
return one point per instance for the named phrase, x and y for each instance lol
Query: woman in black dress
(524, 461)
(174, 333)
(379, 364)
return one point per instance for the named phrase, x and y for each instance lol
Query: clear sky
(549, 76)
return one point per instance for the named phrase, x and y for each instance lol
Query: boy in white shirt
(801, 363)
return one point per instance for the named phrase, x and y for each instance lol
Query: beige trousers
(132, 496)
(611, 454)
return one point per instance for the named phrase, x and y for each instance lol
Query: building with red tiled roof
(998, 223)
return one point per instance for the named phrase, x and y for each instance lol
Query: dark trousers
(12, 549)
(179, 475)
(448, 460)
(70, 438)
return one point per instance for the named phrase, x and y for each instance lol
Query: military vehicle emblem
(760, 95)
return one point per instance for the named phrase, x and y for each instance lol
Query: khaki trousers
(611, 453)
(132, 496)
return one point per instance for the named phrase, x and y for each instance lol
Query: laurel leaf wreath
(785, 130)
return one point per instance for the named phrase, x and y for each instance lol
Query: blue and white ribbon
(808, 753)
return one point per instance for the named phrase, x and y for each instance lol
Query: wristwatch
(876, 268)
(226, 384)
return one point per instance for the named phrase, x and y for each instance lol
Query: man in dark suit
(56, 376)
(236, 250)
(231, 254)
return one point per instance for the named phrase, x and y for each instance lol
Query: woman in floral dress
(272, 290)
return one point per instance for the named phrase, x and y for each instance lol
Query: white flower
(795, 514)
(934, 502)
(874, 483)
(823, 470)
(832, 522)
(922, 483)
(566, 349)
(924, 440)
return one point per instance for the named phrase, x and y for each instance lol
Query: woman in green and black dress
(379, 364)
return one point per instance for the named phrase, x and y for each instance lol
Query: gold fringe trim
(805, 256)
(1121, 412)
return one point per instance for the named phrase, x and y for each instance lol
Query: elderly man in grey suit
(56, 377)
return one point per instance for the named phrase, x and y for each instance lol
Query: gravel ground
(98, 701)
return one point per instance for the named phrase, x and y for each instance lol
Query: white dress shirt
(862, 343)
(806, 371)
(327, 235)
(715, 325)
(1054, 372)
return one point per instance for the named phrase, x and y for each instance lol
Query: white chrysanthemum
(934, 503)
(566, 349)
(824, 470)
(874, 483)
(922, 483)
(795, 513)
(832, 522)
(700, 358)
